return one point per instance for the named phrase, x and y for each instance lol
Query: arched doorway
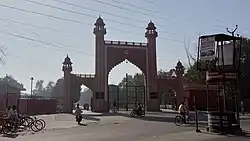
(85, 98)
(168, 99)
(130, 90)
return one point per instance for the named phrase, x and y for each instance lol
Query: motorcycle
(79, 119)
(114, 110)
(137, 113)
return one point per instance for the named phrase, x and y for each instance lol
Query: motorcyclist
(139, 109)
(78, 111)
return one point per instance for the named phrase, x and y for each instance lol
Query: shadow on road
(161, 119)
(98, 114)
(244, 134)
(91, 118)
(82, 124)
(10, 135)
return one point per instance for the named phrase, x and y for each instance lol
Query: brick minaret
(153, 98)
(99, 95)
(67, 69)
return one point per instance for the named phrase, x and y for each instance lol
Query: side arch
(164, 84)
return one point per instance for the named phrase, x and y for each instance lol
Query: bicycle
(179, 120)
(37, 125)
(9, 126)
(32, 123)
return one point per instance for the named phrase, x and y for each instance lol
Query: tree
(245, 69)
(50, 85)
(57, 90)
(48, 89)
(168, 74)
(39, 90)
(125, 80)
(194, 75)
(12, 81)
(138, 79)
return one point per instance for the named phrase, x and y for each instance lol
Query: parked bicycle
(23, 122)
(190, 119)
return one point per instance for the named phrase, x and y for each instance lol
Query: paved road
(113, 128)
(131, 130)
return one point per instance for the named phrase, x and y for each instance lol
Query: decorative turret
(67, 65)
(151, 31)
(179, 69)
(99, 27)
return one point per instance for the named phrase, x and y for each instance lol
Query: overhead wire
(62, 47)
(131, 5)
(60, 18)
(32, 25)
(45, 43)
(88, 15)
(91, 9)
(131, 10)
(161, 18)
(79, 22)
(135, 6)
(111, 14)
(75, 12)
(53, 42)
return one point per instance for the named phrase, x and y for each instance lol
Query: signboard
(219, 76)
(207, 48)
(228, 50)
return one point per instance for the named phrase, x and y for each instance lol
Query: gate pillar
(68, 101)
(179, 71)
(99, 101)
(153, 100)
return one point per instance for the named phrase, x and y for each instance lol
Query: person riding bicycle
(182, 111)
(139, 109)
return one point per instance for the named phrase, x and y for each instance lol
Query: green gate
(127, 98)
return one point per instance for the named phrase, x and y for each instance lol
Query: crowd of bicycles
(21, 123)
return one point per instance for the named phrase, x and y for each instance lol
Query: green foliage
(12, 81)
(132, 80)
(42, 91)
(194, 75)
(245, 69)
(57, 90)
(168, 74)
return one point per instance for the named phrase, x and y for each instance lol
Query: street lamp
(31, 85)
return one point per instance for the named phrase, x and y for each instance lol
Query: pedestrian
(242, 108)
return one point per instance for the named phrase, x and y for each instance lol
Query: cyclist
(182, 111)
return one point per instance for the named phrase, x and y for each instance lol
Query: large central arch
(108, 55)
(111, 53)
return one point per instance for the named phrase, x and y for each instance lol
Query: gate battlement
(91, 76)
(166, 77)
(125, 43)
